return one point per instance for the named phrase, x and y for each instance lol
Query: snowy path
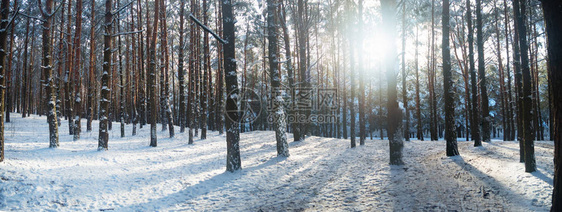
(322, 174)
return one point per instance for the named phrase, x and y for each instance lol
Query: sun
(374, 46)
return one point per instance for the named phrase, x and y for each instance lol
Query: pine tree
(395, 132)
(280, 124)
(152, 75)
(475, 120)
(486, 118)
(233, 162)
(181, 71)
(47, 67)
(448, 87)
(552, 10)
(530, 164)
(105, 89)
(91, 84)
(4, 12)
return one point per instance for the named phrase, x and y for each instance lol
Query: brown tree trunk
(47, 72)
(105, 89)
(152, 76)
(552, 10)
(233, 162)
(77, 73)
(448, 87)
(92, 73)
(4, 13)
(530, 164)
(486, 118)
(394, 114)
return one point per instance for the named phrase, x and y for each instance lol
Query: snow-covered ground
(322, 174)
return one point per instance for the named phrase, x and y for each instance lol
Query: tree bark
(448, 87)
(181, 71)
(4, 13)
(394, 114)
(530, 164)
(105, 89)
(482, 74)
(552, 10)
(77, 74)
(91, 94)
(233, 162)
(152, 76)
(280, 124)
(404, 78)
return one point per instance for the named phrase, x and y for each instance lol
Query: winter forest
(280, 105)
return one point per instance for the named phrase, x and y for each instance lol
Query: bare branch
(207, 29)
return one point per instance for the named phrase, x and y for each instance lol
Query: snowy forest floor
(322, 174)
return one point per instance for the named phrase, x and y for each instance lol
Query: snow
(322, 174)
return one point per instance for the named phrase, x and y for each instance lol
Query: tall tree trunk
(47, 72)
(92, 82)
(501, 72)
(552, 10)
(280, 124)
(475, 120)
(486, 118)
(166, 65)
(26, 73)
(418, 103)
(68, 73)
(220, 74)
(206, 70)
(152, 76)
(4, 13)
(77, 73)
(105, 89)
(233, 162)
(448, 87)
(518, 82)
(511, 126)
(352, 70)
(530, 164)
(361, 74)
(431, 78)
(394, 114)
(288, 55)
(181, 71)
(404, 88)
(8, 99)
(121, 79)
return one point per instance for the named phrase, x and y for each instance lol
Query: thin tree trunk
(530, 164)
(26, 74)
(206, 70)
(91, 94)
(77, 74)
(361, 75)
(404, 88)
(181, 71)
(486, 119)
(418, 103)
(152, 76)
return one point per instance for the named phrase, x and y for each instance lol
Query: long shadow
(491, 182)
(204, 187)
(504, 147)
(541, 176)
